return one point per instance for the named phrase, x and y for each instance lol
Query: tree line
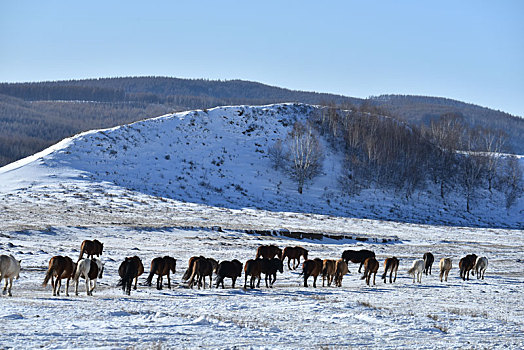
(387, 153)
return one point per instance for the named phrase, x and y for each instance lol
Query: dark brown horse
(60, 267)
(162, 266)
(230, 269)
(357, 256)
(312, 268)
(252, 268)
(329, 268)
(270, 267)
(202, 267)
(391, 265)
(269, 252)
(294, 253)
(370, 268)
(128, 270)
(91, 248)
(467, 264)
(428, 262)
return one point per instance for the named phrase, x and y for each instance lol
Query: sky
(471, 51)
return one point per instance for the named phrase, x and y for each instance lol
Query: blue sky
(467, 50)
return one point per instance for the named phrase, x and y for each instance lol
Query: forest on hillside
(34, 116)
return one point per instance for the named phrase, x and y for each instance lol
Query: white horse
(417, 269)
(480, 266)
(444, 265)
(90, 270)
(9, 269)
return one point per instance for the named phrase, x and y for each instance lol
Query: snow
(138, 202)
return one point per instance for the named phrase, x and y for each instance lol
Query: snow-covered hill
(219, 158)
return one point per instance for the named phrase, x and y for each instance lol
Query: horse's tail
(384, 275)
(48, 275)
(82, 247)
(189, 270)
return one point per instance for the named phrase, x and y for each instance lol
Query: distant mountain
(35, 115)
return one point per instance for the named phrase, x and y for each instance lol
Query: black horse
(230, 269)
(357, 256)
(428, 261)
(128, 270)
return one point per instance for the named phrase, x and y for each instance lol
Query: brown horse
(467, 264)
(203, 267)
(91, 248)
(294, 253)
(428, 262)
(445, 266)
(269, 252)
(312, 268)
(357, 256)
(162, 266)
(60, 267)
(341, 268)
(128, 270)
(230, 269)
(252, 268)
(328, 271)
(370, 268)
(390, 264)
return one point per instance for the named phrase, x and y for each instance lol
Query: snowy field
(471, 314)
(157, 187)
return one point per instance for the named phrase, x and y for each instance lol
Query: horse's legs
(315, 281)
(67, 287)
(305, 280)
(288, 261)
(360, 267)
(234, 279)
(136, 282)
(245, 280)
(93, 288)
(168, 281)
(258, 283)
(323, 279)
(374, 276)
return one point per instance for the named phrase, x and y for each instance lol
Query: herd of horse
(268, 261)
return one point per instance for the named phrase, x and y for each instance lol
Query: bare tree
(511, 182)
(492, 142)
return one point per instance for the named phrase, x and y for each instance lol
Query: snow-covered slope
(219, 158)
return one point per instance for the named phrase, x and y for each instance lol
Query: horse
(341, 268)
(269, 251)
(60, 267)
(467, 264)
(91, 248)
(294, 253)
(357, 256)
(230, 269)
(370, 268)
(480, 266)
(444, 265)
(269, 267)
(90, 270)
(203, 267)
(9, 269)
(253, 268)
(162, 266)
(189, 269)
(312, 268)
(390, 264)
(417, 269)
(328, 271)
(128, 270)
(428, 262)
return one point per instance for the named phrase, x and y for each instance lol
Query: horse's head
(280, 266)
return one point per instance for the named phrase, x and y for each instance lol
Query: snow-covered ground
(154, 188)
(485, 313)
